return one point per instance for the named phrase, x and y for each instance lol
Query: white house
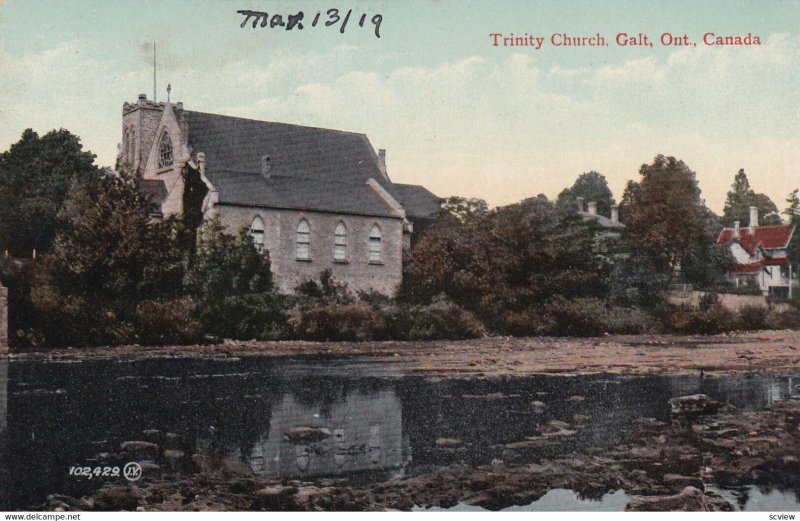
(761, 255)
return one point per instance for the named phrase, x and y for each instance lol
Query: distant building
(608, 235)
(316, 199)
(761, 255)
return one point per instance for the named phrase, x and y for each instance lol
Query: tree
(467, 211)
(741, 197)
(512, 259)
(232, 284)
(592, 186)
(106, 261)
(664, 215)
(36, 175)
(793, 213)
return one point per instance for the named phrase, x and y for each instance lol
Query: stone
(449, 443)
(139, 447)
(538, 406)
(306, 434)
(690, 499)
(692, 406)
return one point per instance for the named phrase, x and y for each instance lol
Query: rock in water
(690, 499)
(306, 434)
(692, 406)
(449, 443)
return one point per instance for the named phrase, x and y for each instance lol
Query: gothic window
(303, 241)
(340, 243)
(375, 245)
(165, 151)
(257, 233)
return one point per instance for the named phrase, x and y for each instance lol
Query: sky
(454, 112)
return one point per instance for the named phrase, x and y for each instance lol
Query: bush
(167, 322)
(788, 319)
(250, 316)
(753, 318)
(709, 320)
(535, 321)
(337, 322)
(443, 319)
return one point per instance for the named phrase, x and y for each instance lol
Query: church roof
(417, 200)
(309, 168)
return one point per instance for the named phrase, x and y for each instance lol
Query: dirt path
(766, 351)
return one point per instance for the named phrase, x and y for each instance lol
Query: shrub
(788, 319)
(250, 316)
(167, 322)
(752, 318)
(535, 321)
(443, 319)
(712, 319)
(337, 322)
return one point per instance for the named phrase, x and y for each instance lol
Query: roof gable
(310, 168)
(768, 237)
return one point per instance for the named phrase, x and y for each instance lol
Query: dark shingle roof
(417, 200)
(310, 168)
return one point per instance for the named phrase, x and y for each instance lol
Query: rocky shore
(675, 465)
(763, 351)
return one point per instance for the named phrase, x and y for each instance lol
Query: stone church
(316, 199)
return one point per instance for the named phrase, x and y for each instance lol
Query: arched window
(165, 151)
(303, 241)
(126, 146)
(257, 233)
(375, 244)
(340, 243)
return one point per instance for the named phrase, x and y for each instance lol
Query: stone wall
(729, 300)
(280, 233)
(3, 319)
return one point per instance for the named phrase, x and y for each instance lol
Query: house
(608, 235)
(761, 255)
(316, 199)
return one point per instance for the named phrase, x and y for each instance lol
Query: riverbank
(764, 351)
(683, 464)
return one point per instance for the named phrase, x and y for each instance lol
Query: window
(340, 243)
(257, 233)
(165, 151)
(375, 244)
(303, 241)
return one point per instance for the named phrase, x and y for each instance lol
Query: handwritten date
(295, 21)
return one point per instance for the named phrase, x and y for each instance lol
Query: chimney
(201, 163)
(142, 99)
(382, 157)
(615, 214)
(753, 217)
(579, 201)
(265, 166)
(593, 207)
(736, 229)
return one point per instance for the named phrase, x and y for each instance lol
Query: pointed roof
(768, 237)
(417, 200)
(310, 168)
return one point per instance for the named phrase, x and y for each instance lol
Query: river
(235, 413)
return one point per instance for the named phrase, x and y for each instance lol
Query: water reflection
(312, 418)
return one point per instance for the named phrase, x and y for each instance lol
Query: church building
(316, 199)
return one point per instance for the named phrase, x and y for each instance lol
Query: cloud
(501, 129)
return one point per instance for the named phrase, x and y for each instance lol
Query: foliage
(664, 215)
(232, 283)
(753, 318)
(159, 322)
(465, 211)
(592, 186)
(36, 175)
(707, 320)
(793, 213)
(327, 291)
(333, 321)
(442, 319)
(739, 200)
(516, 257)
